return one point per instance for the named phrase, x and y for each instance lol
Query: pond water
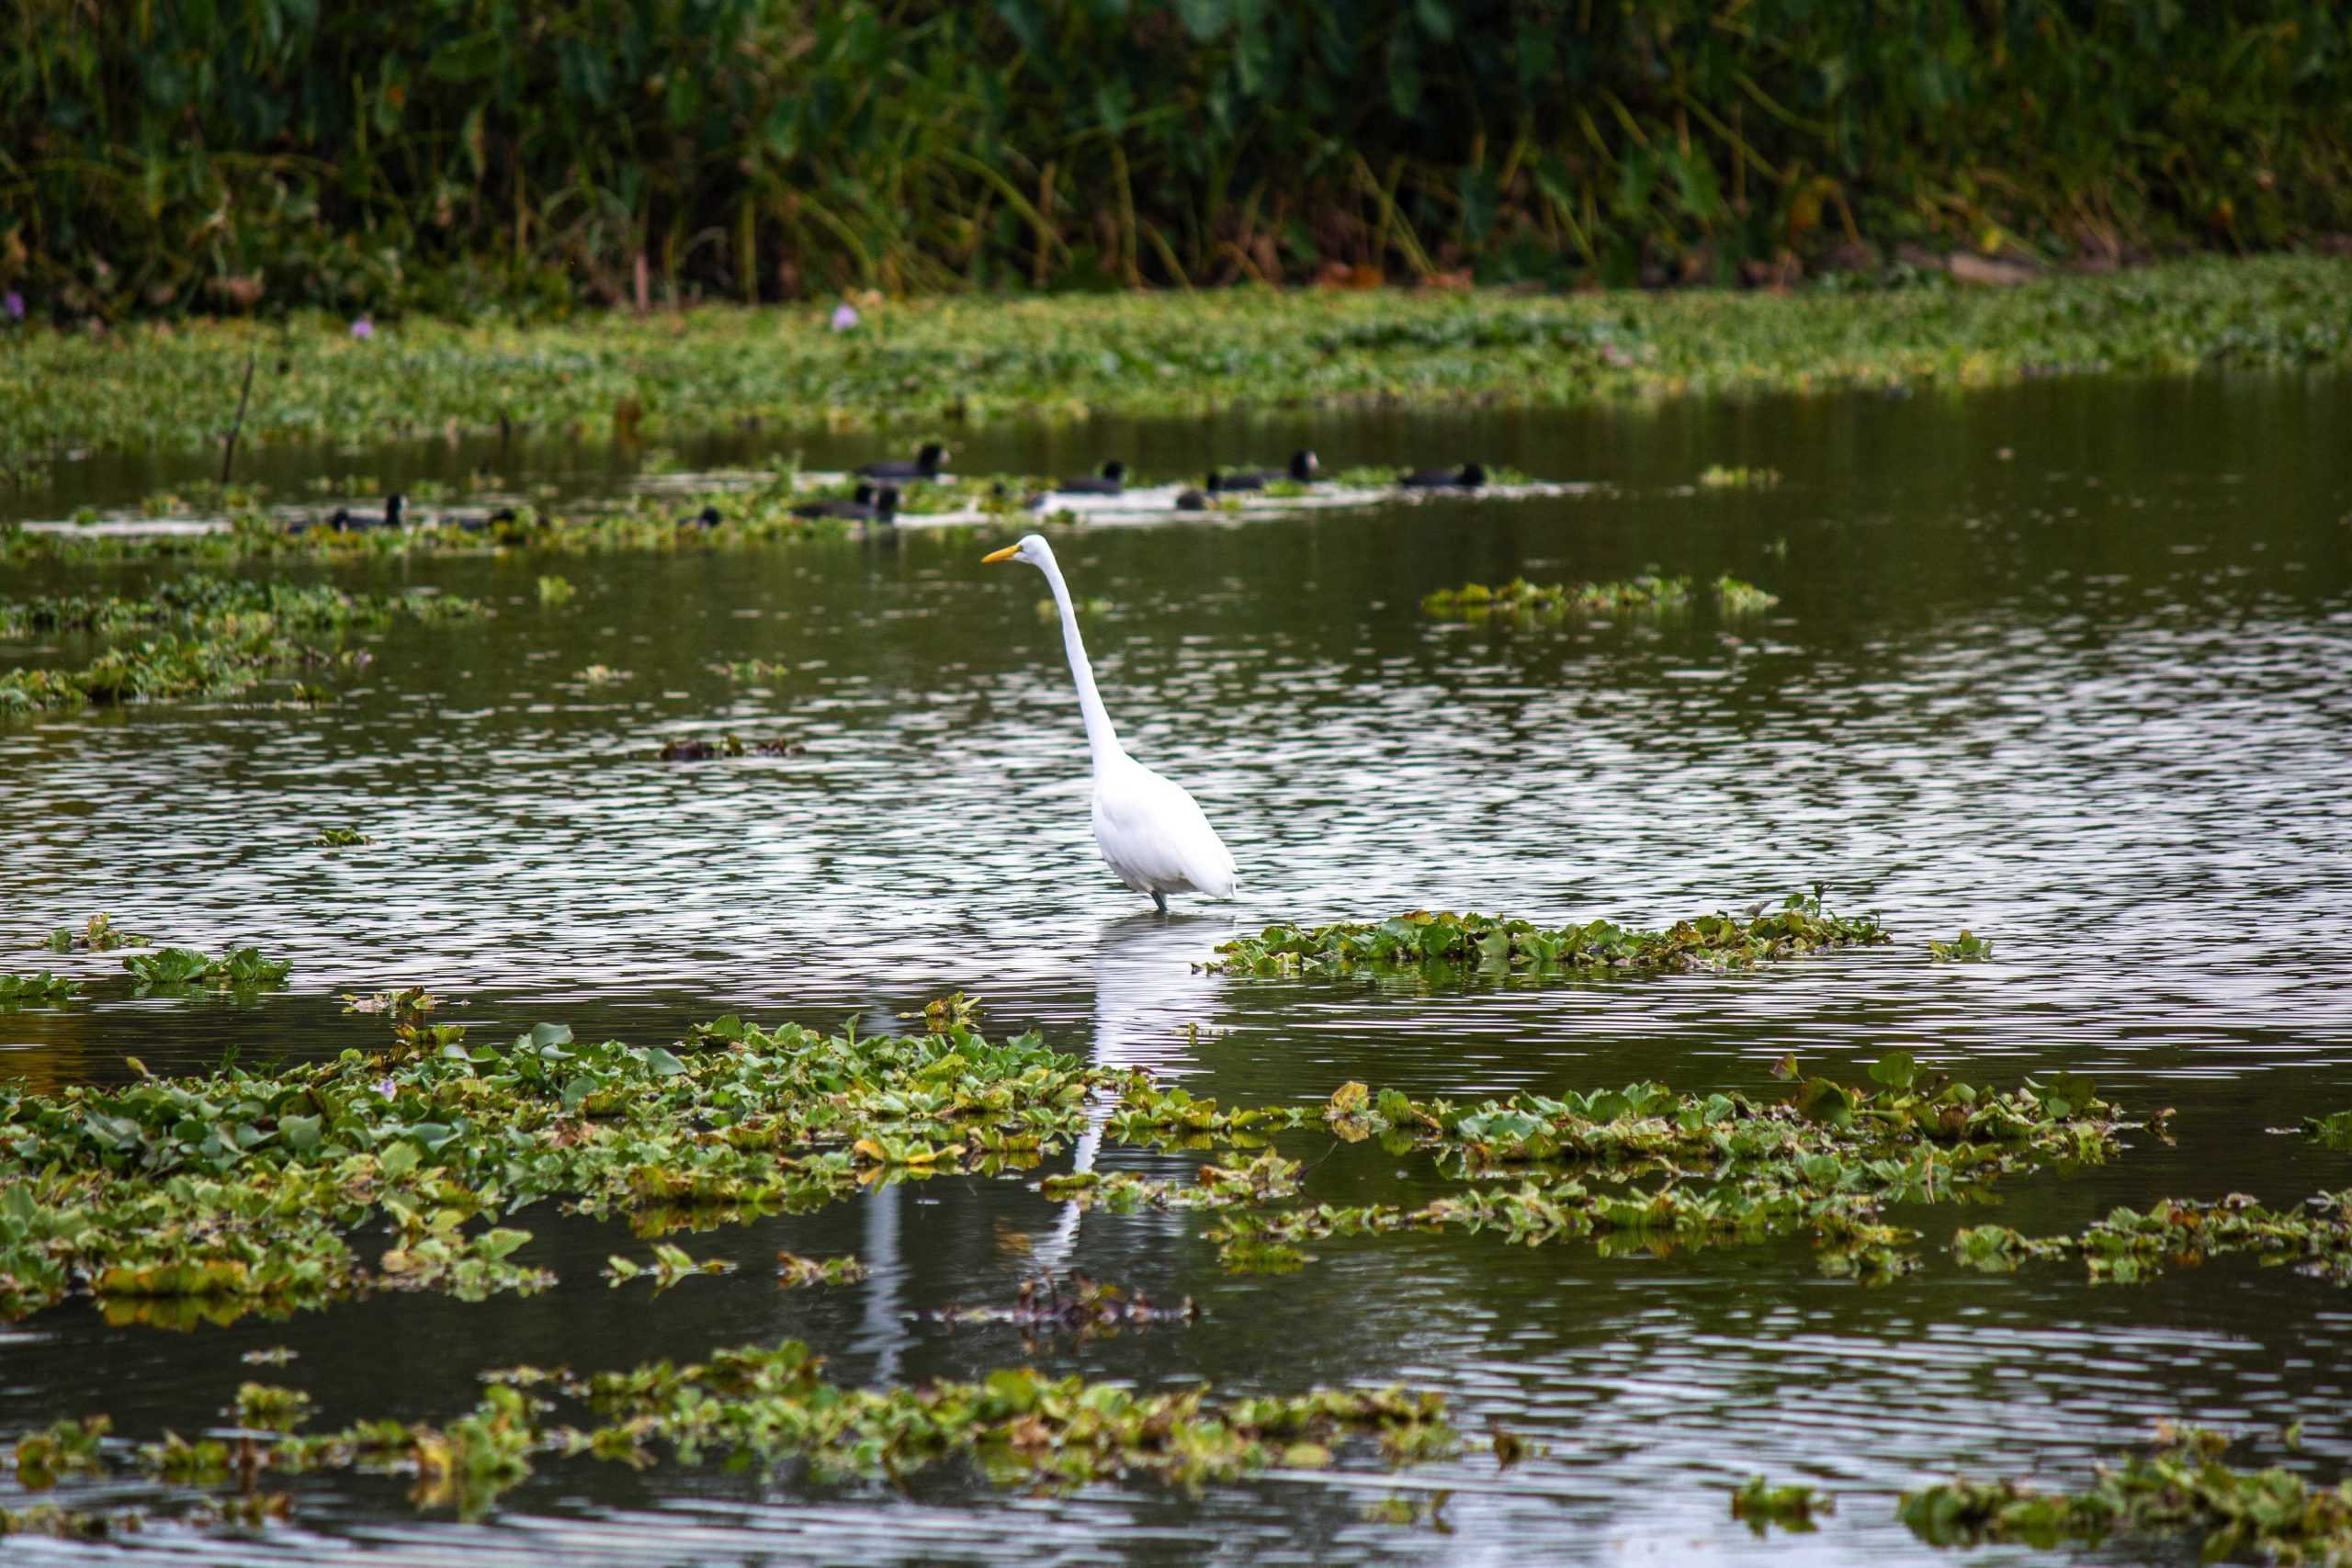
(2065, 665)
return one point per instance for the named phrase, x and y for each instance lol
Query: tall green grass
(229, 155)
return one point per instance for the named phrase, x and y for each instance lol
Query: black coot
(924, 467)
(1303, 468)
(1111, 480)
(346, 521)
(868, 506)
(1469, 475)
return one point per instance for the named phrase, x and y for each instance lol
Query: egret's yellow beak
(1005, 554)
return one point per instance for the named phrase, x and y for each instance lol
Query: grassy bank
(933, 364)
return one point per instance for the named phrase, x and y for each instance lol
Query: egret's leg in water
(1161, 899)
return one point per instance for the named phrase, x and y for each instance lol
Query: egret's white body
(1150, 831)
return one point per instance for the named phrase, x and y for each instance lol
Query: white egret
(1151, 832)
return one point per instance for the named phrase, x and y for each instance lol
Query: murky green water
(2070, 666)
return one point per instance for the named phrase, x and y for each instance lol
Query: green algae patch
(1599, 947)
(2179, 1487)
(755, 1405)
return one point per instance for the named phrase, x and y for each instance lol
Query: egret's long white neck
(1101, 740)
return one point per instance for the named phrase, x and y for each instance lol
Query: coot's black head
(931, 454)
(394, 505)
(865, 494)
(1216, 482)
(1303, 465)
(1472, 475)
(709, 517)
(1115, 471)
(886, 504)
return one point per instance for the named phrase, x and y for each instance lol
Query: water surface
(2065, 665)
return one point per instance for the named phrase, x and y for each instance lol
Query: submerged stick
(236, 427)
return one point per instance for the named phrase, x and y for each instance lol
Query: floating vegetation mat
(2128, 1247)
(222, 636)
(1646, 594)
(757, 1404)
(227, 607)
(1711, 942)
(175, 1199)
(2179, 1487)
(1643, 1169)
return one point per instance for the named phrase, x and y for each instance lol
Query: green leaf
(495, 1245)
(1895, 1069)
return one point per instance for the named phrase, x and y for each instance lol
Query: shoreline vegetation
(449, 157)
(941, 363)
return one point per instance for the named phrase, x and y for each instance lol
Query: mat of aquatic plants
(622, 1047)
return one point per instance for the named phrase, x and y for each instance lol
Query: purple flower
(844, 317)
(363, 329)
(384, 1088)
(14, 304)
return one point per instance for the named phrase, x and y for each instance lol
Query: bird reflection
(1146, 993)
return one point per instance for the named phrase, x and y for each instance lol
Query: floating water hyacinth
(1711, 942)
(12, 305)
(363, 329)
(767, 1404)
(2178, 1487)
(1519, 596)
(844, 317)
(1793, 1506)
(41, 989)
(242, 968)
(1646, 592)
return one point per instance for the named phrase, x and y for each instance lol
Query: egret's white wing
(1154, 836)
